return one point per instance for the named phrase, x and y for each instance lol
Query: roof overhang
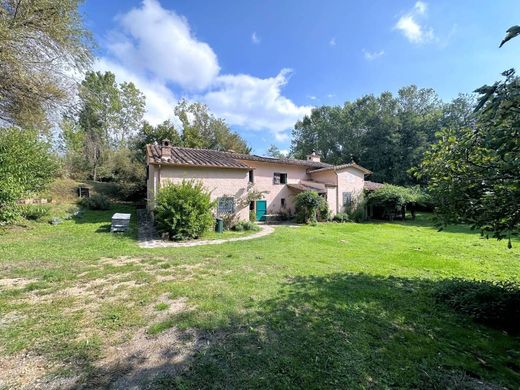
(340, 168)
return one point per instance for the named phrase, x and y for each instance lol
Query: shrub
(245, 226)
(184, 210)
(33, 212)
(252, 216)
(55, 221)
(323, 210)
(307, 204)
(341, 217)
(392, 200)
(19, 179)
(357, 212)
(492, 303)
(96, 202)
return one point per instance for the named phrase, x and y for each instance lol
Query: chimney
(166, 150)
(314, 157)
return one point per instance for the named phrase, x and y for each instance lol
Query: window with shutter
(226, 205)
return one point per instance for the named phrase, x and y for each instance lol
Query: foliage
(96, 202)
(357, 212)
(391, 198)
(246, 226)
(184, 210)
(341, 217)
(26, 167)
(387, 134)
(492, 303)
(323, 214)
(40, 40)
(149, 135)
(33, 212)
(241, 202)
(473, 174)
(274, 151)
(252, 216)
(307, 205)
(201, 129)
(110, 115)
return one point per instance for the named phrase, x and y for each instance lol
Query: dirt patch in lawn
(9, 283)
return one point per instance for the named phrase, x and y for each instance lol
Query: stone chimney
(314, 157)
(166, 150)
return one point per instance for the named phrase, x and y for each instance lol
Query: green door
(261, 209)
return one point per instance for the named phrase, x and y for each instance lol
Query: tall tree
(201, 129)
(132, 108)
(274, 151)
(473, 172)
(41, 43)
(150, 134)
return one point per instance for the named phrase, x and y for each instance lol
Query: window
(251, 205)
(283, 202)
(226, 205)
(251, 176)
(280, 178)
(347, 199)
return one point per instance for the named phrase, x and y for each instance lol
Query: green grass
(329, 306)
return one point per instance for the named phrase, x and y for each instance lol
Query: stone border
(148, 244)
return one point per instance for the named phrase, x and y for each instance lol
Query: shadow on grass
(337, 331)
(103, 220)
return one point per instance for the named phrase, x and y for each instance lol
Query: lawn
(327, 306)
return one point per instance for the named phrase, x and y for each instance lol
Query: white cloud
(153, 39)
(332, 42)
(255, 38)
(410, 26)
(370, 56)
(255, 103)
(155, 48)
(312, 97)
(420, 7)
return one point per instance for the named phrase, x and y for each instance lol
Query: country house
(229, 175)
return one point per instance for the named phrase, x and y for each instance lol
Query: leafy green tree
(274, 151)
(201, 129)
(26, 167)
(39, 41)
(473, 174)
(130, 114)
(387, 134)
(149, 134)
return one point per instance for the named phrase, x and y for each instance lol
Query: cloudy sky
(263, 64)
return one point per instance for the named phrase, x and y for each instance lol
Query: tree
(387, 134)
(110, 114)
(26, 167)
(201, 129)
(41, 43)
(274, 151)
(132, 108)
(473, 173)
(149, 135)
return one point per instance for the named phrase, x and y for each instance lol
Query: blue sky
(262, 65)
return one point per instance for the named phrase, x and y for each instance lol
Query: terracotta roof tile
(215, 158)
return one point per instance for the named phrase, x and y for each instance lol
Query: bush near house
(310, 206)
(184, 211)
(96, 202)
(390, 201)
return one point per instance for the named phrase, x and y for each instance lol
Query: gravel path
(148, 238)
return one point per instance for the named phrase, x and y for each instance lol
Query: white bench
(120, 222)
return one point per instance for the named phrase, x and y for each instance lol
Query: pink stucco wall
(350, 180)
(234, 182)
(219, 181)
(263, 181)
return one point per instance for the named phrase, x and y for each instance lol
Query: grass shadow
(343, 331)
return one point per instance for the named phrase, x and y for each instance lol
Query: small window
(251, 176)
(347, 199)
(251, 205)
(226, 205)
(283, 202)
(279, 178)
